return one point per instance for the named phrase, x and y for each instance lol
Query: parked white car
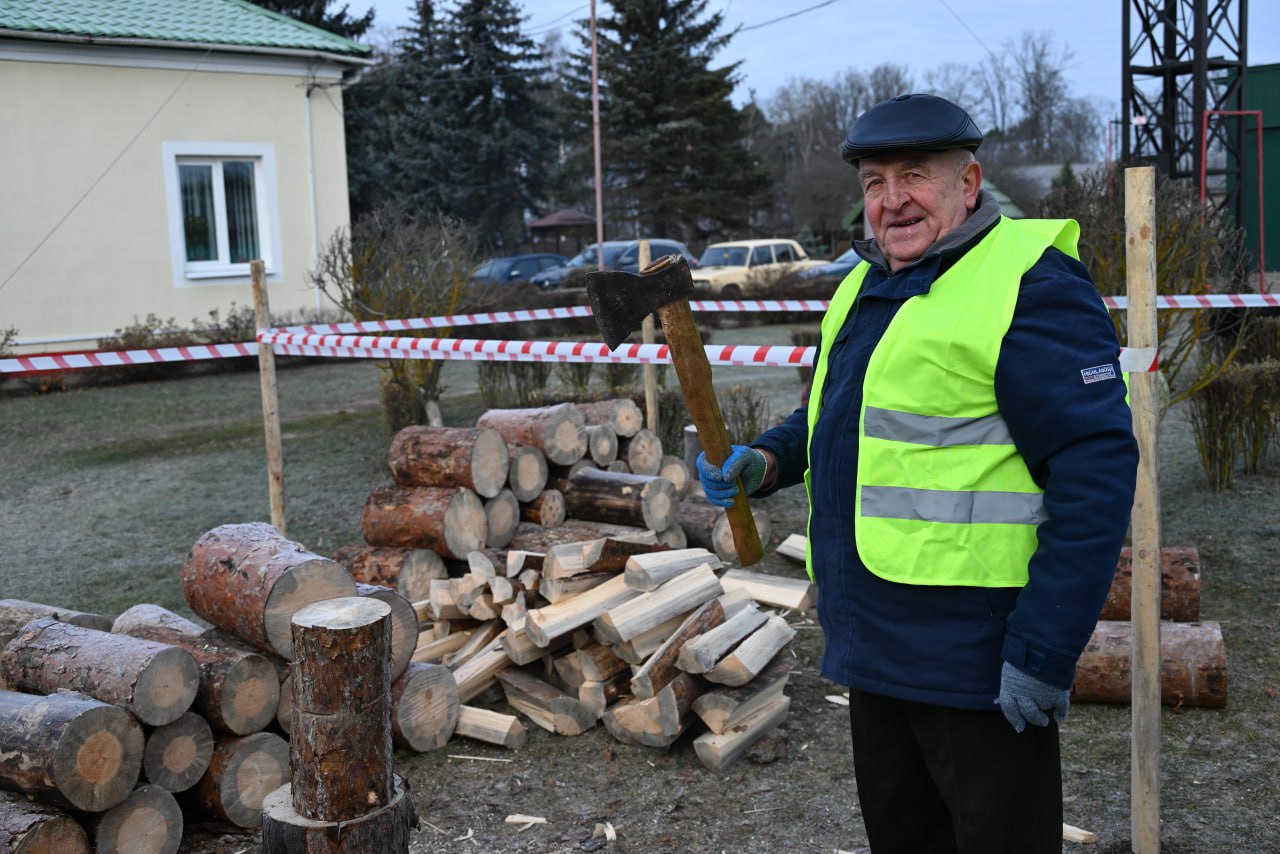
(726, 270)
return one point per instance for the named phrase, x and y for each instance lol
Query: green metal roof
(231, 23)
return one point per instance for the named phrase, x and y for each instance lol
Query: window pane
(198, 221)
(242, 214)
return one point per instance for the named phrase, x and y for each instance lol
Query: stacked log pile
(1193, 657)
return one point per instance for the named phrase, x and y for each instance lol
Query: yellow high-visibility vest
(943, 496)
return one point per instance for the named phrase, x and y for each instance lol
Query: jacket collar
(983, 217)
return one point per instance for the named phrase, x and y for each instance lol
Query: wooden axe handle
(694, 371)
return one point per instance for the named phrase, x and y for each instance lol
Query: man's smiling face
(913, 198)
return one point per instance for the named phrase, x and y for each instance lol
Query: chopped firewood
(635, 721)
(660, 669)
(561, 618)
(473, 457)
(724, 707)
(648, 571)
(424, 707)
(558, 589)
(675, 702)
(546, 705)
(515, 609)
(602, 444)
(598, 662)
(443, 599)
(680, 595)
(480, 606)
(527, 477)
(700, 654)
(518, 560)
(719, 751)
(476, 674)
(622, 414)
(794, 548)
(156, 682)
(517, 818)
(600, 695)
(559, 431)
(608, 554)
(490, 727)
(641, 452)
(637, 650)
(1078, 835)
(520, 647)
(477, 639)
(432, 649)
(794, 594)
(502, 590)
(753, 654)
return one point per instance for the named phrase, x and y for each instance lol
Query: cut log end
(298, 587)
(177, 754)
(98, 758)
(149, 821)
(31, 827)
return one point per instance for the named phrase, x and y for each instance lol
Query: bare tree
(888, 81)
(957, 83)
(1039, 66)
(995, 94)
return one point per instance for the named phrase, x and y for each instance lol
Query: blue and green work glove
(720, 483)
(1024, 699)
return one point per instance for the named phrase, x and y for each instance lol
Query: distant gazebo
(548, 232)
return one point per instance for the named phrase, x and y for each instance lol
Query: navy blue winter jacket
(944, 645)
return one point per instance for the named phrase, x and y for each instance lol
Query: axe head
(621, 301)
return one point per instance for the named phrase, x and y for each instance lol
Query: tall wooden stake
(1140, 260)
(650, 370)
(270, 400)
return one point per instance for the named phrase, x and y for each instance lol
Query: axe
(620, 302)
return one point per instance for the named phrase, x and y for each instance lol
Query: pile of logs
(1193, 657)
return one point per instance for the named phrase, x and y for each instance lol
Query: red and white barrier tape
(117, 358)
(1203, 301)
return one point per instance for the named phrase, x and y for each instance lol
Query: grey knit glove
(1024, 699)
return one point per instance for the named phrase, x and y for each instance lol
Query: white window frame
(263, 156)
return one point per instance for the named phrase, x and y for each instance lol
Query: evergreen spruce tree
(674, 148)
(315, 13)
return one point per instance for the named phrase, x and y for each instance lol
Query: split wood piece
(558, 431)
(641, 452)
(408, 571)
(632, 720)
(491, 727)
(753, 654)
(794, 548)
(675, 702)
(176, 755)
(502, 515)
(148, 821)
(249, 580)
(16, 613)
(449, 521)
(431, 649)
(443, 601)
(340, 733)
(527, 477)
(450, 456)
(602, 444)
(157, 682)
(518, 560)
(718, 752)
(724, 707)
(596, 662)
(700, 654)
(546, 624)
(1179, 586)
(622, 414)
(1078, 835)
(68, 749)
(674, 470)
(475, 675)
(558, 476)
(707, 525)
(680, 595)
(521, 649)
(546, 509)
(546, 705)
(514, 610)
(239, 691)
(638, 650)
(673, 537)
(599, 696)
(644, 501)
(558, 589)
(477, 639)
(792, 594)
(424, 707)
(32, 827)
(650, 571)
(386, 828)
(608, 555)
(404, 625)
(1193, 665)
(659, 670)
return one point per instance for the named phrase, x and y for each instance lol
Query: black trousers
(935, 780)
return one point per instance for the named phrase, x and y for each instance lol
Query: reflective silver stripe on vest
(961, 508)
(936, 430)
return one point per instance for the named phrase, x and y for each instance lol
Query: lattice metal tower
(1184, 57)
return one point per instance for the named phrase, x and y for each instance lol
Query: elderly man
(970, 465)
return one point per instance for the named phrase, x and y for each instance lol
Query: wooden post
(1140, 260)
(270, 399)
(650, 369)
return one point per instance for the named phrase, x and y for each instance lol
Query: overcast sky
(817, 39)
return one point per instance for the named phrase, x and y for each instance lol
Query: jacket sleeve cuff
(1050, 667)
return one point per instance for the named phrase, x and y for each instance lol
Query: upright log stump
(343, 795)
(249, 580)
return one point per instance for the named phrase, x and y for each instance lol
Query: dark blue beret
(910, 123)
